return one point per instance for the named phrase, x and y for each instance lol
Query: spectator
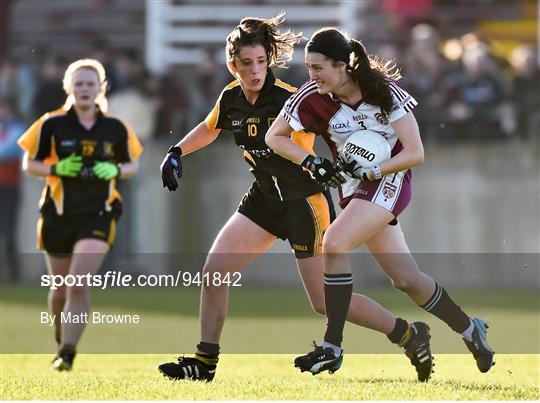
(50, 95)
(526, 89)
(137, 103)
(425, 73)
(174, 103)
(10, 161)
(476, 99)
(17, 81)
(100, 50)
(126, 67)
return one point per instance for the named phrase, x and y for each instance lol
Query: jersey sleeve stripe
(398, 95)
(304, 91)
(398, 89)
(409, 106)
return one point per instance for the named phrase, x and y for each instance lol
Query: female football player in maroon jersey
(81, 152)
(348, 92)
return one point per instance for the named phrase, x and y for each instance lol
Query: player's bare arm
(128, 169)
(35, 167)
(278, 138)
(199, 137)
(413, 151)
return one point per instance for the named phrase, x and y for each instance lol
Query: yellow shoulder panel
(29, 141)
(212, 118)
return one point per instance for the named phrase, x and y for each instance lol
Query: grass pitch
(269, 377)
(258, 320)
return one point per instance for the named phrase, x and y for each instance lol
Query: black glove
(171, 166)
(356, 171)
(324, 172)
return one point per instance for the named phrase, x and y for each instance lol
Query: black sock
(67, 349)
(402, 333)
(208, 353)
(337, 295)
(443, 307)
(58, 335)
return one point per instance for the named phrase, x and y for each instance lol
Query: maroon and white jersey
(336, 121)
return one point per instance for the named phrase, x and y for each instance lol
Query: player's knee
(404, 284)
(59, 294)
(78, 292)
(213, 273)
(333, 244)
(210, 267)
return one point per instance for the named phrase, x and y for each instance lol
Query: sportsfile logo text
(119, 279)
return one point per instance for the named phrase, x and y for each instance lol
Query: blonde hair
(89, 64)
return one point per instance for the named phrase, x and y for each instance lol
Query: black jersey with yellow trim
(277, 177)
(58, 134)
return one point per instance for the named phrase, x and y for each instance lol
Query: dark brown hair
(370, 73)
(252, 31)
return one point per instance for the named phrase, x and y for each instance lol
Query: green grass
(269, 377)
(276, 322)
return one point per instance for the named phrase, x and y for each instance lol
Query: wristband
(175, 150)
(376, 172)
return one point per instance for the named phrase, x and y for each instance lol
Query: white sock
(337, 350)
(467, 334)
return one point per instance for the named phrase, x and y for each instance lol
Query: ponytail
(373, 76)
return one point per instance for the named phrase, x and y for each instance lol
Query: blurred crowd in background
(464, 90)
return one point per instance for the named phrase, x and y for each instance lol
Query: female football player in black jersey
(283, 202)
(81, 152)
(350, 92)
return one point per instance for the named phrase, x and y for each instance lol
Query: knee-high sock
(337, 294)
(442, 306)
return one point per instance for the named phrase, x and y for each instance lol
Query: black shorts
(57, 234)
(302, 222)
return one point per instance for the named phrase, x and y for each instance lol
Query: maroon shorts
(392, 192)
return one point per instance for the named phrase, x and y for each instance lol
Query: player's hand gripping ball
(323, 171)
(362, 153)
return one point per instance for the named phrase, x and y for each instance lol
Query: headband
(331, 50)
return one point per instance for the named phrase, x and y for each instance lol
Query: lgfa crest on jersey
(381, 118)
(389, 190)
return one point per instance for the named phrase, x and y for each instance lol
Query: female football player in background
(283, 202)
(348, 92)
(81, 152)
